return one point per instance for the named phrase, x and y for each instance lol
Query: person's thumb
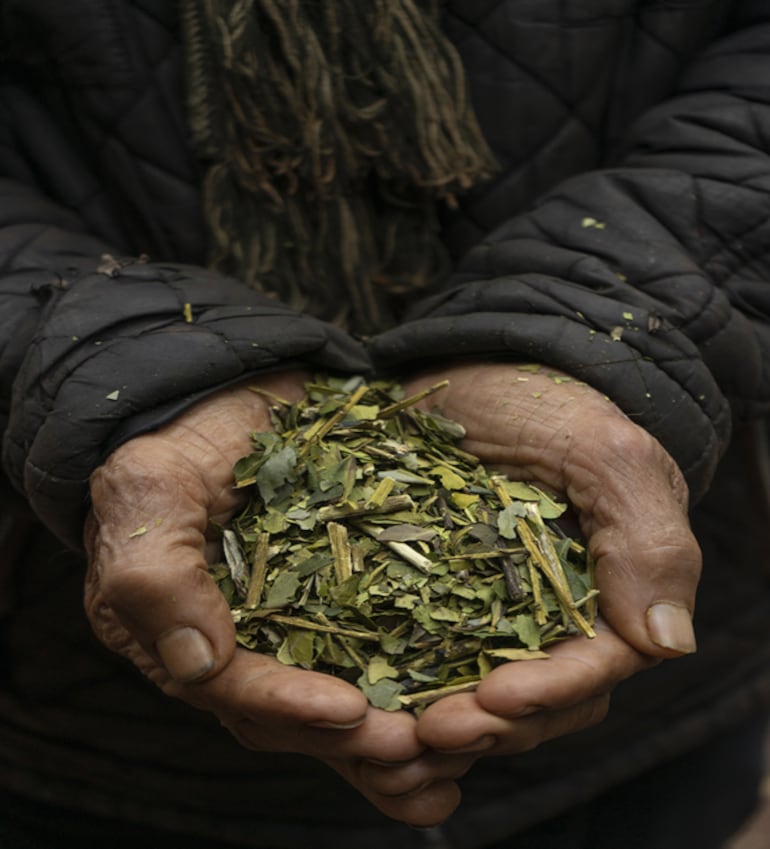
(149, 595)
(648, 566)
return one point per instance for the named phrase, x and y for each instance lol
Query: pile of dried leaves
(375, 549)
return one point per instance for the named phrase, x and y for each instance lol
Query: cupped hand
(149, 597)
(535, 424)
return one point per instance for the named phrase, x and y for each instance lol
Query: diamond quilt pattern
(624, 129)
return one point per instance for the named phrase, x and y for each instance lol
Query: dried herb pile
(375, 549)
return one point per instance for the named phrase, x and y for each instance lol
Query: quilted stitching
(554, 69)
(531, 271)
(134, 125)
(590, 101)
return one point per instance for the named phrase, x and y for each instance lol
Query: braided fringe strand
(331, 130)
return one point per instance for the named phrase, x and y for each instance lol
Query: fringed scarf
(331, 130)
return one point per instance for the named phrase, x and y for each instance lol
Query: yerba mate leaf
(374, 548)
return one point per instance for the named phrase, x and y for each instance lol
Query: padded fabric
(625, 239)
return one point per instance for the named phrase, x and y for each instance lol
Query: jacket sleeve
(95, 348)
(650, 280)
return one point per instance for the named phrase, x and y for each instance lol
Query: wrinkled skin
(148, 589)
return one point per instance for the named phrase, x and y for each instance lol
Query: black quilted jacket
(634, 144)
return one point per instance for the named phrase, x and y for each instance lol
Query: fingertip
(670, 627)
(648, 598)
(186, 654)
(176, 614)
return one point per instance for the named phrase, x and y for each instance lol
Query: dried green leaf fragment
(374, 548)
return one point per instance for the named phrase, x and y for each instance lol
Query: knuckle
(127, 586)
(678, 484)
(110, 631)
(620, 442)
(125, 483)
(145, 586)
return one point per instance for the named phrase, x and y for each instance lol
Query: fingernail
(338, 726)
(186, 654)
(670, 626)
(480, 745)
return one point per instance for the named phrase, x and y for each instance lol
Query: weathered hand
(631, 501)
(149, 597)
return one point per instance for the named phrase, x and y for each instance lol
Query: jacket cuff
(122, 348)
(648, 368)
